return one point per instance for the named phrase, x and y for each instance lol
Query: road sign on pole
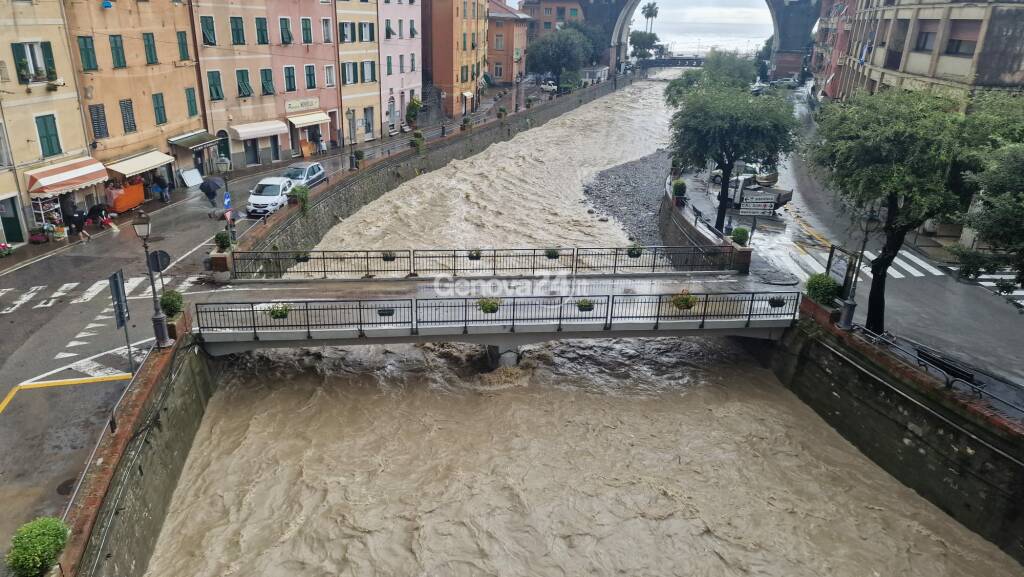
(121, 314)
(744, 211)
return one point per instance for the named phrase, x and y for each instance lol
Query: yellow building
(360, 72)
(136, 65)
(456, 50)
(44, 156)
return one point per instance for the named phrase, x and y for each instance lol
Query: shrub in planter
(635, 251)
(5, 249)
(678, 187)
(223, 240)
(417, 134)
(388, 256)
(1005, 286)
(488, 306)
(386, 312)
(302, 257)
(585, 305)
(972, 262)
(474, 254)
(684, 301)
(172, 303)
(279, 311)
(36, 546)
(776, 302)
(552, 253)
(502, 111)
(301, 194)
(822, 289)
(359, 154)
(740, 235)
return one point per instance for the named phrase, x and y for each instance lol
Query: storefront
(310, 130)
(261, 142)
(200, 145)
(58, 189)
(11, 231)
(131, 179)
(467, 102)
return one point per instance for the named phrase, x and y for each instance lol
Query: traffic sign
(761, 205)
(759, 197)
(119, 298)
(159, 260)
(227, 200)
(756, 211)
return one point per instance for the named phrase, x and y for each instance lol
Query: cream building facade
(359, 61)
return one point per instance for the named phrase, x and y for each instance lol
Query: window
(267, 81)
(213, 79)
(925, 42)
(465, 9)
(349, 73)
(127, 116)
(464, 76)
(388, 32)
(474, 41)
(242, 80)
(463, 40)
(560, 13)
(963, 37)
(499, 41)
(237, 31)
(401, 28)
(387, 66)
(412, 62)
(474, 9)
(87, 52)
(98, 119)
(547, 11)
(182, 45)
(368, 120)
(209, 32)
(310, 76)
(289, 79)
(190, 102)
(547, 26)
(150, 44)
(117, 51)
(307, 30)
(329, 75)
(497, 70)
(262, 36)
(158, 108)
(366, 31)
(368, 72)
(958, 47)
(325, 24)
(401, 63)
(412, 29)
(286, 31)
(49, 140)
(33, 62)
(346, 32)
(574, 12)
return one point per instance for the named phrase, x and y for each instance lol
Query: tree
(559, 52)
(892, 151)
(642, 43)
(649, 12)
(998, 212)
(595, 35)
(763, 57)
(680, 87)
(728, 125)
(727, 68)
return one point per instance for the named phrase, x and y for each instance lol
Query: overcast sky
(730, 24)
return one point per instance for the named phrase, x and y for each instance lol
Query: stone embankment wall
(952, 449)
(679, 228)
(292, 230)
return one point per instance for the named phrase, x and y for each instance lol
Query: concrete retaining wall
(951, 449)
(678, 228)
(292, 230)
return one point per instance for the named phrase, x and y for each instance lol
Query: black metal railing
(478, 262)
(603, 312)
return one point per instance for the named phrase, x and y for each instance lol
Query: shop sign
(301, 105)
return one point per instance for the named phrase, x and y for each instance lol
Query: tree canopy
(724, 69)
(595, 35)
(642, 43)
(998, 214)
(561, 51)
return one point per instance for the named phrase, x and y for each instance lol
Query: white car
(549, 86)
(269, 195)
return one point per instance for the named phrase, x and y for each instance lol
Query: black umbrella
(211, 184)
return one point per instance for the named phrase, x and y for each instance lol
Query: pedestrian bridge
(502, 323)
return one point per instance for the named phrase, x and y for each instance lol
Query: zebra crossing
(989, 281)
(904, 266)
(38, 297)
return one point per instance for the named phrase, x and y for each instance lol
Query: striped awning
(65, 177)
(141, 163)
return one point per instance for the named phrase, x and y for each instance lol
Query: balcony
(893, 59)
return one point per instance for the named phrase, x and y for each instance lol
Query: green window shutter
(261, 31)
(237, 31)
(372, 32)
(289, 79)
(361, 32)
(51, 68)
(310, 76)
(307, 31)
(213, 79)
(87, 52)
(344, 73)
(49, 142)
(150, 43)
(98, 119)
(20, 63)
(362, 72)
(242, 79)
(183, 45)
(117, 51)
(209, 32)
(267, 81)
(286, 31)
(190, 101)
(389, 66)
(158, 108)
(127, 116)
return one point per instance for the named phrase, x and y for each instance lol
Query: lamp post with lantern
(869, 224)
(143, 226)
(351, 114)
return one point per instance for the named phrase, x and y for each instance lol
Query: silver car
(308, 174)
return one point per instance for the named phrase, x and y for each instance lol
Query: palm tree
(649, 12)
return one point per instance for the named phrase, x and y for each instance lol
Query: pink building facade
(401, 60)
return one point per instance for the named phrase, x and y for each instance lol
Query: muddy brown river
(633, 458)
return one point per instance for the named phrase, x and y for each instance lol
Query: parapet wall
(676, 229)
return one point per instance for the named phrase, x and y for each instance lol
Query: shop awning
(65, 176)
(194, 140)
(258, 129)
(468, 95)
(140, 163)
(309, 119)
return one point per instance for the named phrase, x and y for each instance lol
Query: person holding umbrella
(210, 186)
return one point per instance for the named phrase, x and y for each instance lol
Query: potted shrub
(386, 312)
(223, 241)
(822, 289)
(585, 305)
(279, 311)
(635, 250)
(359, 156)
(740, 235)
(301, 195)
(502, 111)
(1005, 286)
(552, 253)
(172, 303)
(36, 545)
(679, 191)
(467, 122)
(684, 301)
(776, 302)
(474, 254)
(388, 256)
(302, 257)
(5, 249)
(488, 306)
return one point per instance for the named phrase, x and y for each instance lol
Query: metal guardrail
(478, 262)
(605, 312)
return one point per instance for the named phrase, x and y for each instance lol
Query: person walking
(160, 186)
(209, 188)
(78, 224)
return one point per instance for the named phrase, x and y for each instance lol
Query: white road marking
(149, 289)
(63, 355)
(132, 283)
(63, 290)
(812, 262)
(997, 276)
(84, 334)
(921, 263)
(96, 288)
(4, 291)
(77, 343)
(24, 298)
(94, 326)
(108, 310)
(71, 366)
(94, 369)
(188, 283)
(102, 318)
(892, 273)
(184, 256)
(903, 264)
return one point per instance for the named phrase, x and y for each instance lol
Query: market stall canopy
(309, 119)
(258, 129)
(468, 95)
(141, 163)
(194, 140)
(65, 176)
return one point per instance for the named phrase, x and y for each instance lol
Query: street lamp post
(868, 225)
(143, 227)
(351, 114)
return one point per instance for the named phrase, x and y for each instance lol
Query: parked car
(792, 82)
(309, 174)
(549, 86)
(268, 196)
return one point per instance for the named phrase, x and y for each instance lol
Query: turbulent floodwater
(631, 458)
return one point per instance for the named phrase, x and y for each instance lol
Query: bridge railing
(478, 262)
(602, 312)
